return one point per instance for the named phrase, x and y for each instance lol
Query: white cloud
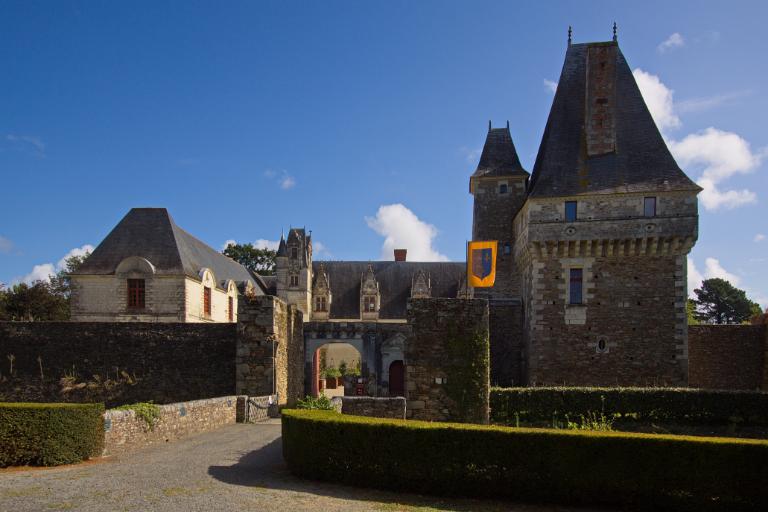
(27, 143)
(227, 243)
(759, 237)
(715, 154)
(694, 277)
(550, 85)
(5, 245)
(402, 229)
(658, 97)
(44, 271)
(713, 268)
(284, 180)
(706, 103)
(472, 155)
(673, 41)
(320, 251)
(262, 243)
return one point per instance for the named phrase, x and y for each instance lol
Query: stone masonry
(728, 356)
(447, 360)
(270, 349)
(385, 407)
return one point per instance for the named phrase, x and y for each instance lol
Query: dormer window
(294, 253)
(369, 304)
(294, 280)
(321, 304)
(136, 293)
(206, 301)
(503, 188)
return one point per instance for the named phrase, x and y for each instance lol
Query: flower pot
(330, 382)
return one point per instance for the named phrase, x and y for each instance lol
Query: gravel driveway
(238, 467)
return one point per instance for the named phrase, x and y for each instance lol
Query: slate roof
(151, 233)
(499, 157)
(394, 279)
(641, 163)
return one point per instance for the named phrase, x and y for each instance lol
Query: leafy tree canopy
(719, 302)
(261, 261)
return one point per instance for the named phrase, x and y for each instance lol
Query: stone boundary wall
(385, 407)
(727, 356)
(124, 431)
(447, 360)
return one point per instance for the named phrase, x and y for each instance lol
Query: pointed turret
(600, 137)
(499, 157)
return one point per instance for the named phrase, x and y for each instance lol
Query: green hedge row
(49, 434)
(573, 467)
(672, 405)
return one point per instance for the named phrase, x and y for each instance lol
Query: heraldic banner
(481, 264)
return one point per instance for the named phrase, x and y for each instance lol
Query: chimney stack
(400, 254)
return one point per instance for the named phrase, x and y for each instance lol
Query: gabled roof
(499, 157)
(394, 279)
(152, 234)
(640, 160)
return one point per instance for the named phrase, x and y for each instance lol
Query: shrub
(667, 405)
(49, 434)
(147, 411)
(566, 466)
(322, 403)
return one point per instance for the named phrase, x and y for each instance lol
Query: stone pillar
(270, 349)
(447, 360)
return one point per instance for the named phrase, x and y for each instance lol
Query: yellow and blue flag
(481, 264)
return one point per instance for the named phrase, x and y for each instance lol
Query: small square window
(503, 188)
(294, 280)
(570, 211)
(507, 248)
(576, 286)
(649, 207)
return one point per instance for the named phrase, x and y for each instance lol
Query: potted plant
(331, 376)
(343, 372)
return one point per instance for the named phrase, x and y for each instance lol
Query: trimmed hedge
(573, 467)
(49, 434)
(670, 405)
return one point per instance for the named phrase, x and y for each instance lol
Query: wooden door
(397, 379)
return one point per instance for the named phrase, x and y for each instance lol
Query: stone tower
(293, 269)
(603, 236)
(499, 187)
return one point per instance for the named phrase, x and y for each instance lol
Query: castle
(591, 267)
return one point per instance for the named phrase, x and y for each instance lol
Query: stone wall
(270, 330)
(388, 407)
(124, 431)
(447, 360)
(727, 356)
(506, 339)
(116, 363)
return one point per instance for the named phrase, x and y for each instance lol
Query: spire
(615, 36)
(281, 250)
(499, 157)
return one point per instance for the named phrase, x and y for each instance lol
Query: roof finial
(489, 125)
(570, 30)
(615, 37)
(507, 124)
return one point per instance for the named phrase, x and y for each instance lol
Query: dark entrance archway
(397, 378)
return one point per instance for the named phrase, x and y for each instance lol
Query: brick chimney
(400, 254)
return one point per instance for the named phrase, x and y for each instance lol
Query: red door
(397, 379)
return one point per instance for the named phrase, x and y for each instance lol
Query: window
(575, 287)
(503, 188)
(136, 290)
(321, 304)
(231, 309)
(206, 301)
(369, 304)
(570, 211)
(294, 280)
(294, 253)
(507, 248)
(649, 207)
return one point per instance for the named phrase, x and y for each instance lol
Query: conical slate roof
(151, 233)
(600, 136)
(499, 157)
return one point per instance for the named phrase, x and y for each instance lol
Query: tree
(719, 302)
(40, 300)
(690, 309)
(261, 261)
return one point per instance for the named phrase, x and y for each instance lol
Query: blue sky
(359, 120)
